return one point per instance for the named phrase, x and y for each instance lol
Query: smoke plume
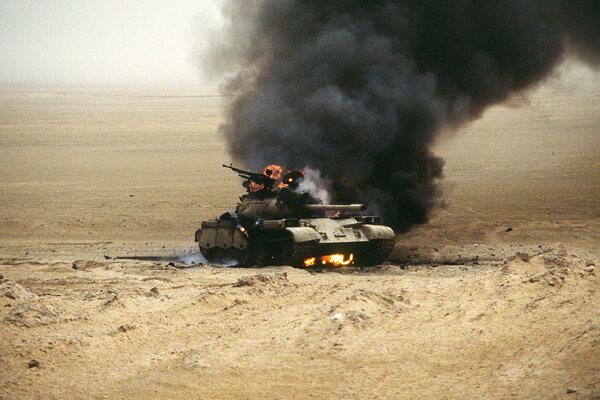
(358, 90)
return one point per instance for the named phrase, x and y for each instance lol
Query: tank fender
(303, 234)
(240, 241)
(223, 236)
(374, 232)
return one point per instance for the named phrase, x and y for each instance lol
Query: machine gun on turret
(259, 178)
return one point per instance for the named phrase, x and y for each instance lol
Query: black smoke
(359, 89)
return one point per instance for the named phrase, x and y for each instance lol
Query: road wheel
(244, 257)
(262, 254)
(218, 254)
(378, 252)
(206, 253)
(285, 251)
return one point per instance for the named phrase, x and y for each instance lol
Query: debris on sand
(262, 279)
(82, 265)
(33, 363)
(509, 229)
(521, 256)
(337, 317)
(153, 292)
(571, 390)
(194, 359)
(236, 302)
(124, 328)
(157, 278)
(111, 300)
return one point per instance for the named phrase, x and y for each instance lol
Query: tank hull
(294, 241)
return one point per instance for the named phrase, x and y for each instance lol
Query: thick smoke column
(359, 89)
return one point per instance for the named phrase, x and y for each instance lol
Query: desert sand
(103, 293)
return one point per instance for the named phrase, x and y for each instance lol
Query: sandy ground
(465, 307)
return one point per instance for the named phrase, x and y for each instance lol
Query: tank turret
(277, 223)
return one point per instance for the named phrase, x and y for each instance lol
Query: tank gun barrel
(335, 207)
(256, 177)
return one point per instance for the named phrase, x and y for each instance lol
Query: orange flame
(277, 172)
(335, 260)
(254, 187)
(309, 262)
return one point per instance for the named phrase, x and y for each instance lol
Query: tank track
(380, 250)
(300, 252)
(241, 256)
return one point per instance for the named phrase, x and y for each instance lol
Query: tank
(278, 224)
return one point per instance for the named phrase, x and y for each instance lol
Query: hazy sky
(109, 41)
(117, 41)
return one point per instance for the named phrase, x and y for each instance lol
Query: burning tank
(278, 224)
